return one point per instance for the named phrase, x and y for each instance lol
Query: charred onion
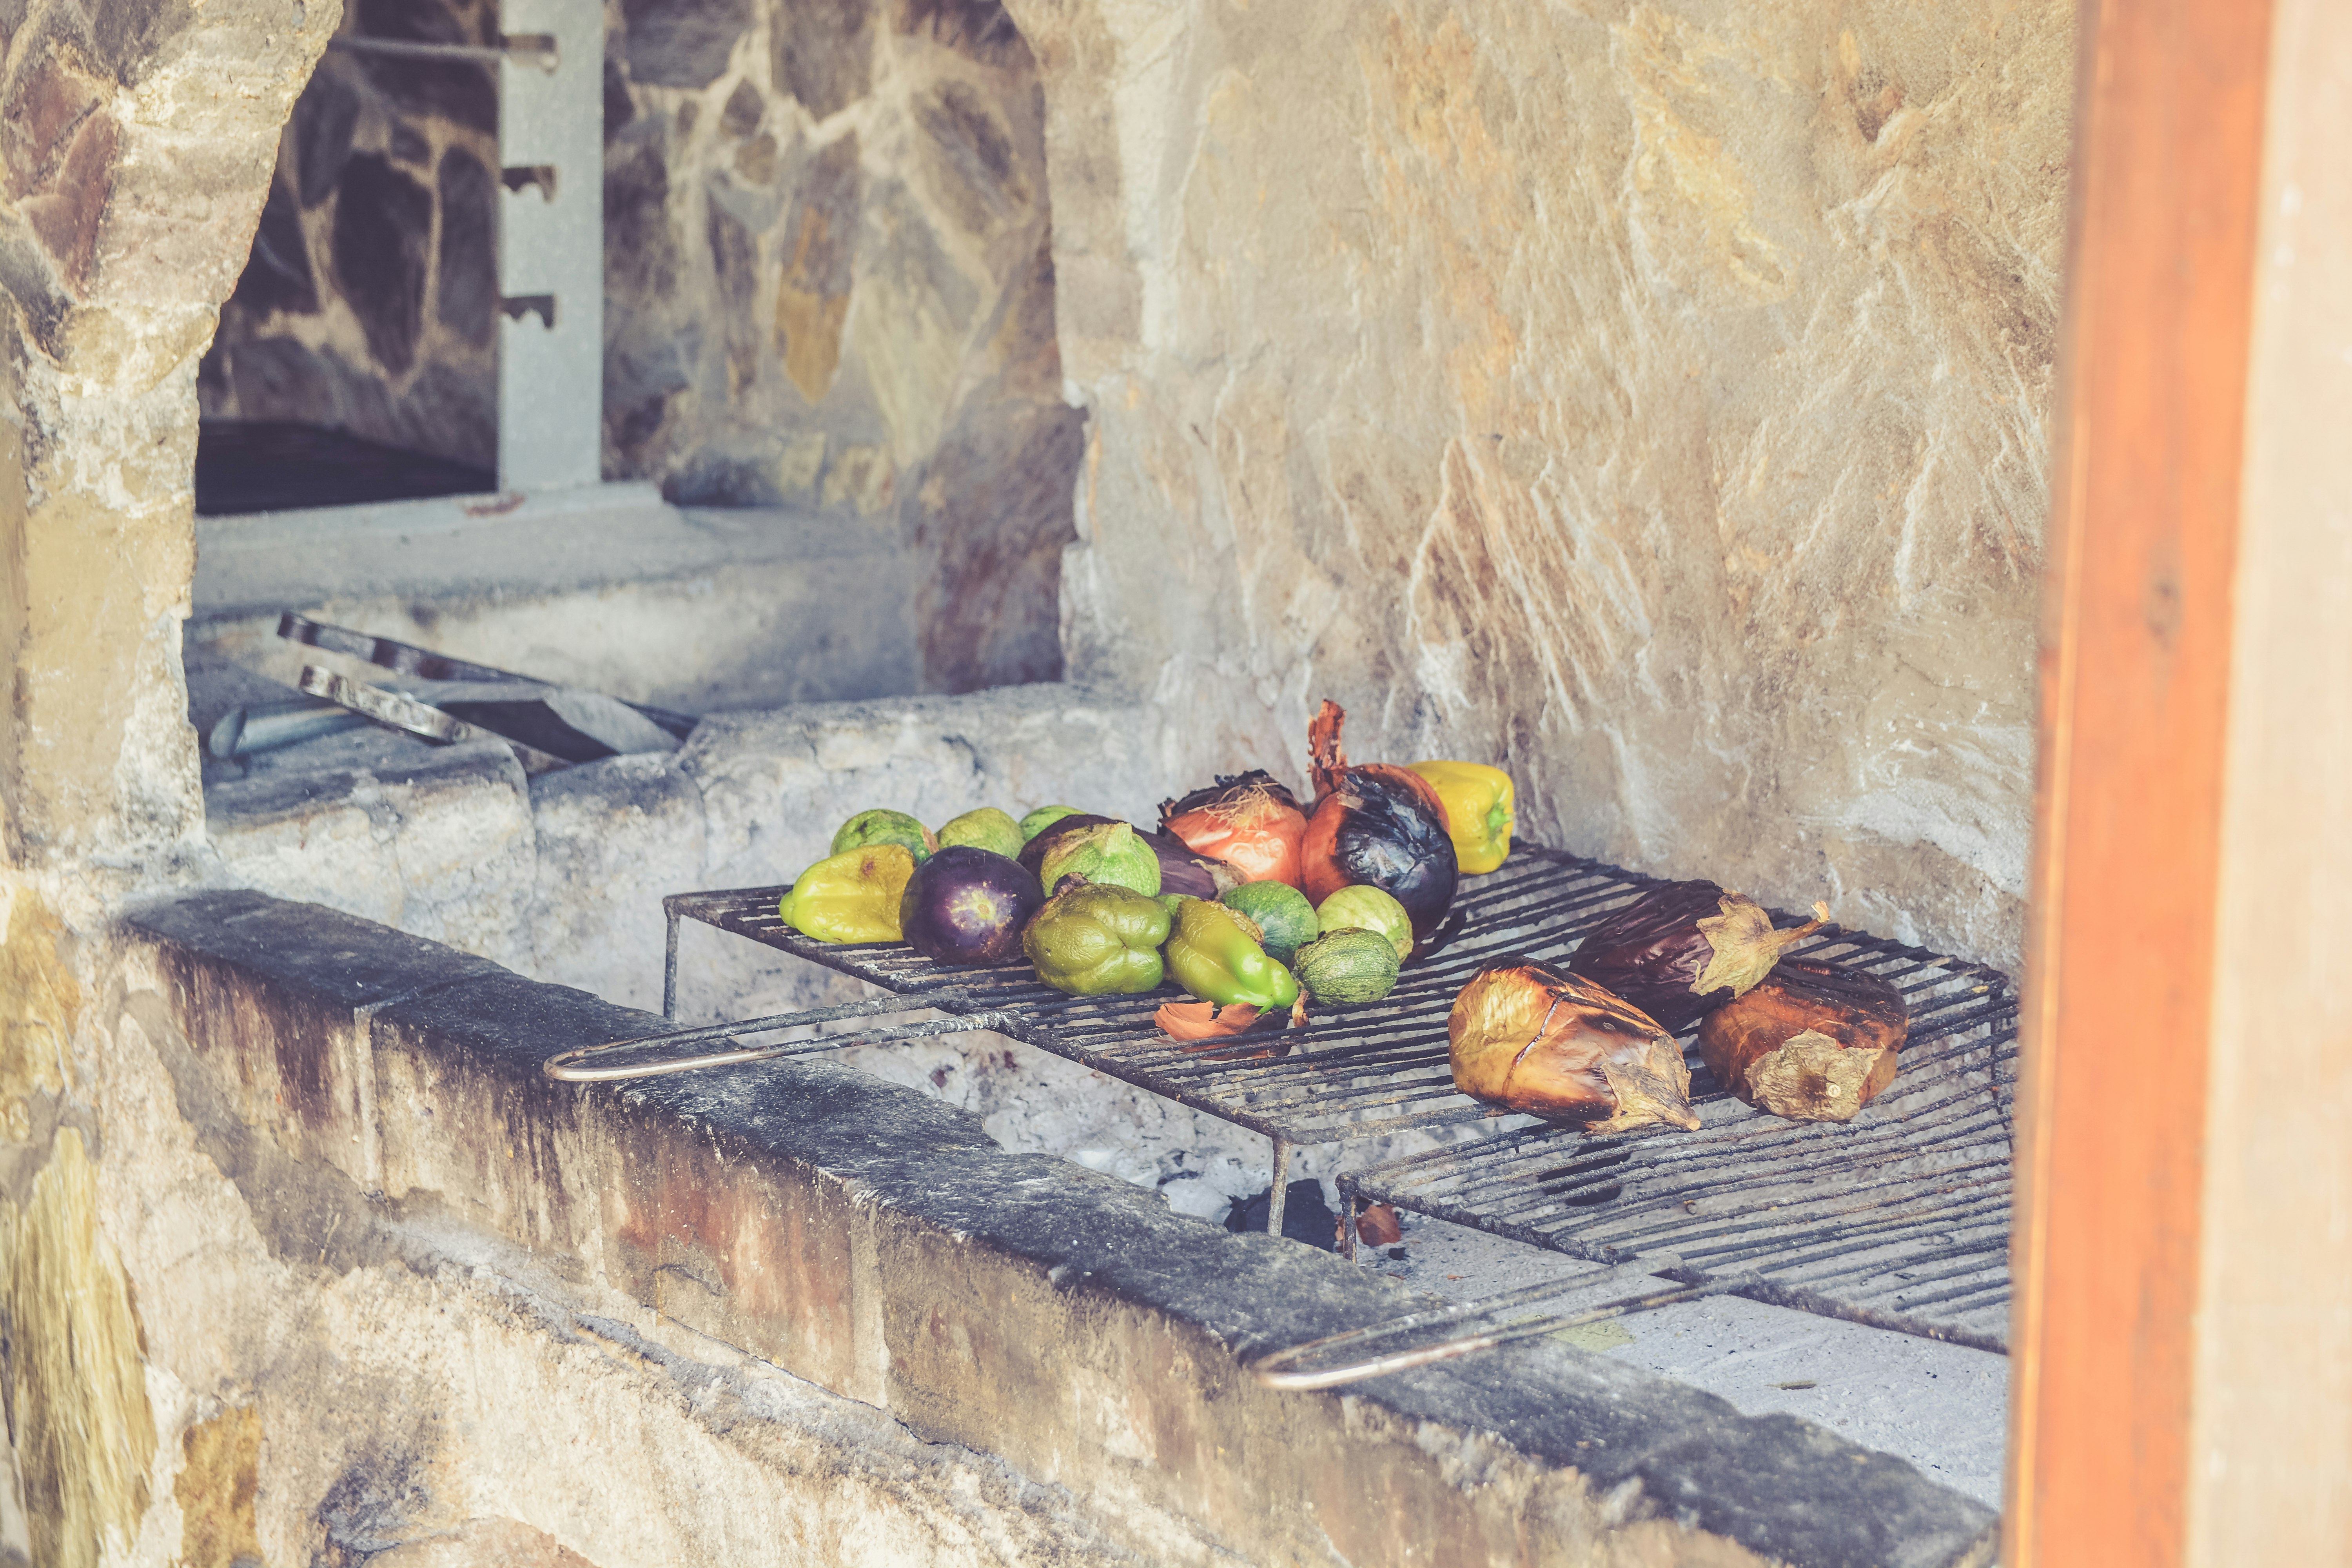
(1376, 826)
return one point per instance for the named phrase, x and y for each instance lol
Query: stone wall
(1649, 396)
(829, 282)
(370, 298)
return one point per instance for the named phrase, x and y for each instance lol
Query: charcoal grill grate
(1899, 1219)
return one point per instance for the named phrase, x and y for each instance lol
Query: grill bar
(1898, 1218)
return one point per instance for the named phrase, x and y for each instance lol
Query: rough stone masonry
(1650, 397)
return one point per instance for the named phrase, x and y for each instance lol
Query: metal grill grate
(1899, 1218)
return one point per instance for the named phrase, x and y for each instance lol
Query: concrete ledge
(876, 1244)
(607, 586)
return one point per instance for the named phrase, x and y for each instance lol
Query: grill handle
(567, 1066)
(1283, 1369)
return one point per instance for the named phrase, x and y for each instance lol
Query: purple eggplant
(965, 905)
(1683, 949)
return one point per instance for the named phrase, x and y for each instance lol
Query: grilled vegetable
(986, 828)
(1249, 822)
(885, 827)
(1478, 811)
(1098, 941)
(1347, 968)
(850, 897)
(1376, 826)
(1284, 919)
(1685, 949)
(1537, 1039)
(1041, 843)
(1367, 908)
(967, 906)
(1113, 853)
(1813, 1041)
(1213, 953)
(1182, 871)
(1044, 817)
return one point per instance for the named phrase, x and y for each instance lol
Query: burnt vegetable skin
(1685, 949)
(1532, 1038)
(1379, 826)
(1814, 1041)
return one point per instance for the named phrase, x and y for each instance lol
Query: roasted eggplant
(1533, 1039)
(1813, 1041)
(1686, 948)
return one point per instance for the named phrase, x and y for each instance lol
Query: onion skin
(1250, 823)
(1376, 826)
(1532, 1038)
(1685, 949)
(1182, 870)
(1813, 1042)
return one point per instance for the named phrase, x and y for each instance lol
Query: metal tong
(452, 699)
(1303, 1367)
(566, 1067)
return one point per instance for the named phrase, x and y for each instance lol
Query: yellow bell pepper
(1478, 801)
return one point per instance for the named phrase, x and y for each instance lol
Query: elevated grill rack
(1899, 1218)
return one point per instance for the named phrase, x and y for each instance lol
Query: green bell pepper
(1214, 954)
(1097, 939)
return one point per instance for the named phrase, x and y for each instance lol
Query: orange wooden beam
(2135, 681)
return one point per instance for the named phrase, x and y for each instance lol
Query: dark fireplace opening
(277, 465)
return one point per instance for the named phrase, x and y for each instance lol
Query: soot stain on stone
(682, 43)
(744, 108)
(979, 29)
(620, 104)
(382, 219)
(820, 248)
(823, 52)
(373, 1507)
(465, 92)
(468, 272)
(277, 276)
(324, 118)
(734, 261)
(974, 152)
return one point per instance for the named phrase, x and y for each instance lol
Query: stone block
(682, 43)
(436, 842)
(776, 785)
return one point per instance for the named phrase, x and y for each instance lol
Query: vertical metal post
(552, 247)
(670, 969)
(1281, 1188)
(1347, 1225)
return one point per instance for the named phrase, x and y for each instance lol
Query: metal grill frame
(1379, 1070)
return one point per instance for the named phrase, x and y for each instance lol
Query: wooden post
(2183, 1328)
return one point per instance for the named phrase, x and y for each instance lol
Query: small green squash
(1347, 968)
